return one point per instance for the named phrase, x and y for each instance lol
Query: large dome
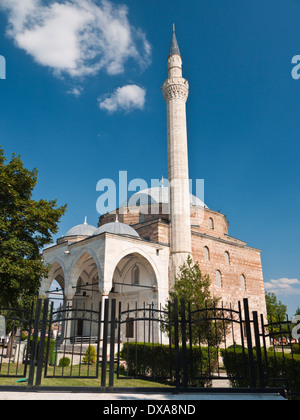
(156, 195)
(117, 228)
(82, 230)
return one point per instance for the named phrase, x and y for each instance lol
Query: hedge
(51, 349)
(280, 366)
(155, 361)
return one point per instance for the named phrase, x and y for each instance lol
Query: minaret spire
(174, 49)
(175, 91)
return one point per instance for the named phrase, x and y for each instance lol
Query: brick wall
(243, 260)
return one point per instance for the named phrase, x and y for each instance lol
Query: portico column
(103, 299)
(67, 327)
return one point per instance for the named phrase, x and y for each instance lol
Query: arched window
(206, 254)
(79, 287)
(227, 257)
(218, 278)
(211, 223)
(243, 282)
(135, 280)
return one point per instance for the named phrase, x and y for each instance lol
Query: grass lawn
(82, 371)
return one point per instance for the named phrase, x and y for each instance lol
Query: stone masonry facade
(239, 265)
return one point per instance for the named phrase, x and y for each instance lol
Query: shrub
(51, 348)
(285, 366)
(296, 348)
(64, 362)
(280, 366)
(158, 361)
(236, 362)
(90, 356)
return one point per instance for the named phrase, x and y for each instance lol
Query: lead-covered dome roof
(82, 230)
(117, 228)
(157, 195)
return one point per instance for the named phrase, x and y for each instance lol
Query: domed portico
(112, 261)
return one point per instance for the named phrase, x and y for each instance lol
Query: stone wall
(209, 229)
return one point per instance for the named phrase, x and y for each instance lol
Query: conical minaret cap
(174, 49)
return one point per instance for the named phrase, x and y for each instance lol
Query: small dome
(82, 230)
(117, 228)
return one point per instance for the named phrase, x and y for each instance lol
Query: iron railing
(177, 347)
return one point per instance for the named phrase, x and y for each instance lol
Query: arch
(138, 273)
(130, 252)
(134, 285)
(81, 258)
(211, 223)
(218, 278)
(56, 273)
(86, 265)
(206, 253)
(135, 275)
(227, 257)
(243, 282)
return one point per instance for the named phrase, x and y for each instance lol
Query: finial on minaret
(174, 49)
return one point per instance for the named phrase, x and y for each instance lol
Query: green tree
(195, 289)
(26, 226)
(276, 310)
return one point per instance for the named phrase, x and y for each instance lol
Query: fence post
(98, 338)
(119, 339)
(104, 348)
(42, 344)
(176, 337)
(184, 355)
(249, 344)
(265, 345)
(258, 351)
(34, 343)
(112, 344)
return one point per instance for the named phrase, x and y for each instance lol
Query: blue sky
(82, 101)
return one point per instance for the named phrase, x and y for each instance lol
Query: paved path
(9, 396)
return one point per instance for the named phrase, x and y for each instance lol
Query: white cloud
(76, 37)
(126, 98)
(283, 286)
(75, 91)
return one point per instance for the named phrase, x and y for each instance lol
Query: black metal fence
(14, 356)
(281, 350)
(174, 349)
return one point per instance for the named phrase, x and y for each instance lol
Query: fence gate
(14, 353)
(73, 341)
(183, 349)
(148, 344)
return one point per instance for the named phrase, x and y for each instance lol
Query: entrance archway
(134, 288)
(84, 290)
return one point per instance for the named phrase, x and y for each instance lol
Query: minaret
(175, 91)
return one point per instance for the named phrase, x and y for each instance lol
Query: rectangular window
(130, 328)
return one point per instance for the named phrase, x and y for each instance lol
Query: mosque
(134, 254)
